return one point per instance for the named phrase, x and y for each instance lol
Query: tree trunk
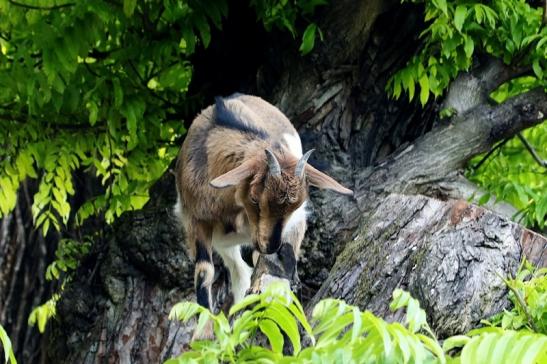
(407, 225)
(24, 255)
(450, 255)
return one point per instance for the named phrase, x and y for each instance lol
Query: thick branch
(457, 187)
(473, 88)
(448, 148)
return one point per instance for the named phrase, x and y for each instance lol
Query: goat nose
(272, 249)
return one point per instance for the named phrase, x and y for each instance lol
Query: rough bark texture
(116, 309)
(389, 235)
(341, 109)
(450, 255)
(24, 256)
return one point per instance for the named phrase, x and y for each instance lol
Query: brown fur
(247, 197)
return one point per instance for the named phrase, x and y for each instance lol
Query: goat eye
(253, 201)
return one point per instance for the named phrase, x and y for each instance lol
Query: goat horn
(301, 165)
(273, 164)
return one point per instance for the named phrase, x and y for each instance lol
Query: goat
(242, 180)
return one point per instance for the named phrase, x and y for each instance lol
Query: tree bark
(24, 256)
(450, 255)
(406, 226)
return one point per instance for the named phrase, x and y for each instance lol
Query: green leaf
(40, 315)
(459, 17)
(7, 347)
(129, 7)
(189, 39)
(424, 89)
(176, 77)
(93, 112)
(204, 30)
(541, 208)
(246, 302)
(433, 346)
(469, 46)
(284, 319)
(184, 311)
(537, 68)
(457, 341)
(308, 39)
(441, 4)
(484, 199)
(271, 330)
(485, 347)
(118, 93)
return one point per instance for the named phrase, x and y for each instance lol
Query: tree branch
(473, 88)
(487, 155)
(532, 151)
(448, 148)
(34, 7)
(144, 85)
(457, 187)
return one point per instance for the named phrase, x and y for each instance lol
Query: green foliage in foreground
(340, 333)
(528, 294)
(100, 87)
(6, 346)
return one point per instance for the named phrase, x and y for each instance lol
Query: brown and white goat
(242, 181)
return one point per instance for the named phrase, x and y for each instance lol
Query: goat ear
(321, 180)
(236, 175)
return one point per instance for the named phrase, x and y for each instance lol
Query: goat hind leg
(200, 237)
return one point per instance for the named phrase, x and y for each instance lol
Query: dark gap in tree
(231, 61)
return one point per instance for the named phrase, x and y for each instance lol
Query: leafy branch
(74, 80)
(521, 303)
(510, 30)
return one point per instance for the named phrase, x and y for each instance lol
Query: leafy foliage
(342, 333)
(514, 176)
(283, 15)
(495, 345)
(101, 86)
(273, 312)
(6, 346)
(68, 254)
(528, 294)
(40, 315)
(511, 30)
